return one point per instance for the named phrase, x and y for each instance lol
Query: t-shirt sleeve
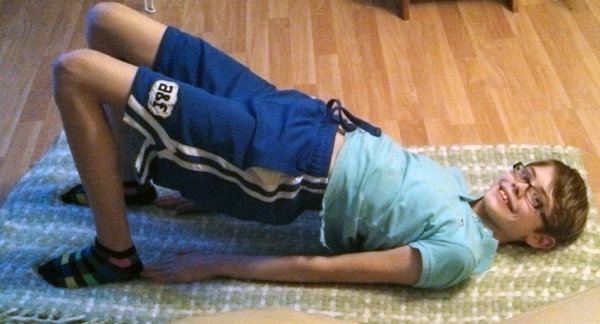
(444, 263)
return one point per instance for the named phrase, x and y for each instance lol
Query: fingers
(155, 269)
(159, 277)
(177, 269)
(181, 205)
(163, 272)
(189, 207)
(170, 200)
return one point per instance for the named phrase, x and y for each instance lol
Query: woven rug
(35, 226)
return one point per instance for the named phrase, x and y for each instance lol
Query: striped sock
(94, 265)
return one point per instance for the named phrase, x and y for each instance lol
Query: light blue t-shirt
(382, 196)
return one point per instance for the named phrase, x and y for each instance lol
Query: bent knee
(94, 75)
(103, 12)
(100, 18)
(71, 68)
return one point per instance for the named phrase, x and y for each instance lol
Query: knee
(99, 20)
(69, 69)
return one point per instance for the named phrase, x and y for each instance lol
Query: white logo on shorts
(163, 98)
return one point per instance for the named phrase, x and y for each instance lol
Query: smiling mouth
(504, 196)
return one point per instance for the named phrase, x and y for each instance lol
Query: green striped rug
(35, 225)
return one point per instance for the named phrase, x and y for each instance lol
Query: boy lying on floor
(198, 122)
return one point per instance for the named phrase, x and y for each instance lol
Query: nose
(519, 188)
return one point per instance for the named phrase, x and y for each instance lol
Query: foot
(135, 194)
(94, 265)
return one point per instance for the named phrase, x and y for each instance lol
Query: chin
(494, 206)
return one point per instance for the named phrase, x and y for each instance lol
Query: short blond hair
(571, 205)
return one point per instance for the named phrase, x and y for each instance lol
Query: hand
(184, 267)
(176, 202)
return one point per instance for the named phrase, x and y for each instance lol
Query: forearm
(351, 268)
(293, 268)
(400, 265)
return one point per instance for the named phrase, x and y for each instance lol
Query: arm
(400, 265)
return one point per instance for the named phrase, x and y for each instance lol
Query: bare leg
(84, 80)
(91, 89)
(125, 34)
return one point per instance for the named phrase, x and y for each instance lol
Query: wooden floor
(458, 72)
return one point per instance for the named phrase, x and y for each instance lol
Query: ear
(540, 241)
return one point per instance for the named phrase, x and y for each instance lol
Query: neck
(478, 208)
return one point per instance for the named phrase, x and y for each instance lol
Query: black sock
(94, 265)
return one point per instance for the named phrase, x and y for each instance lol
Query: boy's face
(509, 206)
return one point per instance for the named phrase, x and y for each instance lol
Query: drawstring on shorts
(334, 105)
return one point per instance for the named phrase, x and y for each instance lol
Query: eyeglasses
(533, 196)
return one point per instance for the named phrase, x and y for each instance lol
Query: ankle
(115, 248)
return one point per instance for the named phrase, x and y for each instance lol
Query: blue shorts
(205, 125)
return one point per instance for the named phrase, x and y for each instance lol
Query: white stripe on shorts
(267, 179)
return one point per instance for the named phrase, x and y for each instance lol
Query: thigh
(130, 36)
(123, 33)
(192, 60)
(260, 160)
(171, 116)
(290, 133)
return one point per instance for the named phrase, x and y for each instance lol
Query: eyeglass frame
(520, 167)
